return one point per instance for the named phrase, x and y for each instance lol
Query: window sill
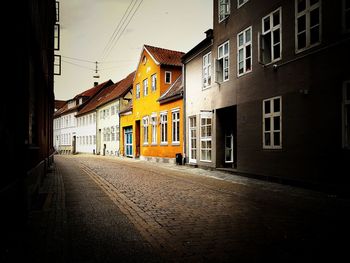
(175, 143)
(206, 161)
(163, 144)
(298, 51)
(243, 74)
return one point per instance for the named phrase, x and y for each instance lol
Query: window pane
(248, 64)
(312, 2)
(226, 49)
(276, 123)
(267, 107)
(240, 39)
(276, 139)
(301, 5)
(276, 105)
(220, 51)
(247, 51)
(248, 35)
(240, 71)
(301, 40)
(240, 55)
(301, 23)
(276, 18)
(267, 124)
(276, 52)
(276, 36)
(314, 17)
(267, 139)
(266, 24)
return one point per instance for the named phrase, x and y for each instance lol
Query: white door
(192, 139)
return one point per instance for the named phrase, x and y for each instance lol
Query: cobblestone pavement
(174, 213)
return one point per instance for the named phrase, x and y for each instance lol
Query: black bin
(178, 158)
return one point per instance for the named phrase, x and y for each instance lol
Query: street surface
(124, 210)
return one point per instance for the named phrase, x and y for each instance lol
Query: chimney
(209, 33)
(95, 83)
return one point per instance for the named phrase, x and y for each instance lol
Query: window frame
(145, 87)
(223, 57)
(145, 124)
(165, 77)
(242, 4)
(153, 124)
(271, 31)
(271, 115)
(164, 128)
(206, 67)
(175, 127)
(224, 15)
(306, 12)
(206, 138)
(154, 82)
(138, 91)
(243, 47)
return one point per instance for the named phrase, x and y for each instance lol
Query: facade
(147, 127)
(65, 123)
(280, 104)
(26, 118)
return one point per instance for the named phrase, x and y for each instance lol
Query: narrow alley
(105, 209)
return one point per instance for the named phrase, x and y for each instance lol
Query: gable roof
(59, 104)
(87, 94)
(164, 56)
(174, 92)
(110, 93)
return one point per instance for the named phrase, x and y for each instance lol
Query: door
(228, 148)
(192, 139)
(128, 141)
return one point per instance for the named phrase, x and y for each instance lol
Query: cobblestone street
(132, 211)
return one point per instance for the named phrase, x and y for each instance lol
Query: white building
(86, 133)
(65, 124)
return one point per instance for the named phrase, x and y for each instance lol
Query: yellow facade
(145, 117)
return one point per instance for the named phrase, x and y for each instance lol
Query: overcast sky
(87, 26)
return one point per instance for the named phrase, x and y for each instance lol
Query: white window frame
(192, 130)
(229, 148)
(145, 123)
(307, 12)
(206, 73)
(165, 77)
(154, 82)
(242, 3)
(345, 13)
(243, 47)
(221, 66)
(204, 137)
(175, 127)
(145, 87)
(117, 133)
(271, 31)
(164, 128)
(224, 8)
(345, 125)
(271, 115)
(138, 91)
(154, 129)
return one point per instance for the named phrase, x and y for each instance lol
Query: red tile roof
(165, 56)
(87, 94)
(174, 92)
(59, 104)
(112, 92)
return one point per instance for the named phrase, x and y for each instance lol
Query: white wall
(108, 120)
(65, 129)
(86, 133)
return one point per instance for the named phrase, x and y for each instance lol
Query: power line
(132, 16)
(79, 59)
(77, 65)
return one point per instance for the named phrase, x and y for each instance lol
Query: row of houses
(266, 93)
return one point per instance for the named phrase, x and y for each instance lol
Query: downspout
(184, 112)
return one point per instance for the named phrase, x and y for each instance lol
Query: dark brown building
(26, 114)
(278, 100)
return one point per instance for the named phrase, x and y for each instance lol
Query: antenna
(96, 76)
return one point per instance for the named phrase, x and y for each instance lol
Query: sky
(113, 32)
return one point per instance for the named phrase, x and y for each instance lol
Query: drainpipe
(184, 111)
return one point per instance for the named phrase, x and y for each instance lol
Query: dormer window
(71, 104)
(167, 77)
(224, 9)
(80, 101)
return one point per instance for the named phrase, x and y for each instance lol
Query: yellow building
(152, 127)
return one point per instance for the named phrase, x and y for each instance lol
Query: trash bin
(178, 158)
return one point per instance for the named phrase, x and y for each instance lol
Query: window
(112, 134)
(167, 77)
(94, 138)
(271, 37)
(164, 128)
(244, 51)
(138, 91)
(307, 23)
(108, 134)
(112, 110)
(346, 15)
(272, 123)
(117, 133)
(154, 82)
(145, 130)
(154, 129)
(224, 9)
(207, 70)
(145, 87)
(222, 63)
(346, 115)
(228, 148)
(90, 137)
(241, 2)
(206, 136)
(193, 139)
(175, 126)
(104, 134)
(94, 118)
